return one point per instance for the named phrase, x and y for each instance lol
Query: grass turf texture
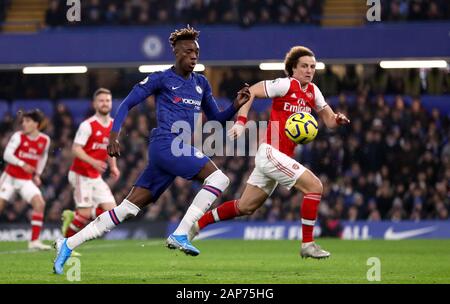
(234, 261)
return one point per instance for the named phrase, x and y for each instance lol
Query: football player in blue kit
(180, 94)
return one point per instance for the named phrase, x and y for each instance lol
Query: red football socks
(226, 211)
(309, 210)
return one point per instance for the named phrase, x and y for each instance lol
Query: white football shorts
(273, 167)
(10, 185)
(89, 192)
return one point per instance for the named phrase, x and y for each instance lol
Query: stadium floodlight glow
(55, 69)
(159, 67)
(199, 68)
(279, 66)
(412, 64)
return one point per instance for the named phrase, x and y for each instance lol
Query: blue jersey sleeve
(209, 106)
(149, 86)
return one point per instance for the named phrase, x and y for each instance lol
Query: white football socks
(213, 187)
(104, 223)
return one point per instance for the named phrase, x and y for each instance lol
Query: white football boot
(38, 245)
(312, 250)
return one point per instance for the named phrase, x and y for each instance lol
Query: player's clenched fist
(242, 97)
(113, 146)
(341, 119)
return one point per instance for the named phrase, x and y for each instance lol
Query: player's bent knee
(218, 179)
(318, 186)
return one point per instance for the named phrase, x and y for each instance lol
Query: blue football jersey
(177, 100)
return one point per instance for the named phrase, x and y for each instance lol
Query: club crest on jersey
(198, 89)
(26, 144)
(98, 133)
(40, 145)
(309, 95)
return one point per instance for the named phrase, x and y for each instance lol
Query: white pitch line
(151, 243)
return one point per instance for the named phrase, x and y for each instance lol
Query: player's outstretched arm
(256, 91)
(136, 96)
(333, 120)
(211, 110)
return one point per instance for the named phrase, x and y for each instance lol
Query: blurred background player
(91, 193)
(179, 94)
(26, 154)
(273, 162)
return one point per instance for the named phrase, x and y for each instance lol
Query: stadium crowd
(244, 13)
(391, 163)
(415, 10)
(153, 12)
(3, 5)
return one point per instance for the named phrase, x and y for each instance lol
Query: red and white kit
(90, 188)
(273, 161)
(20, 150)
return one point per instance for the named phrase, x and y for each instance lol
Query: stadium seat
(116, 103)
(4, 108)
(439, 102)
(44, 105)
(79, 108)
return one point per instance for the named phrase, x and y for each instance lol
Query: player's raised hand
(99, 165)
(242, 97)
(29, 169)
(341, 119)
(113, 146)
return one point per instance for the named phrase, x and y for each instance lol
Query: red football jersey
(94, 137)
(288, 98)
(31, 151)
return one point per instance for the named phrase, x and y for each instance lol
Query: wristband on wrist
(241, 120)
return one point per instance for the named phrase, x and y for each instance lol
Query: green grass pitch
(234, 261)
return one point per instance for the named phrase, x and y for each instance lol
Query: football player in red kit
(26, 154)
(91, 193)
(273, 162)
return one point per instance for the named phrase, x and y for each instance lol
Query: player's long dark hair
(292, 57)
(187, 33)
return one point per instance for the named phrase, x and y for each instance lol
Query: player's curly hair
(292, 57)
(187, 33)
